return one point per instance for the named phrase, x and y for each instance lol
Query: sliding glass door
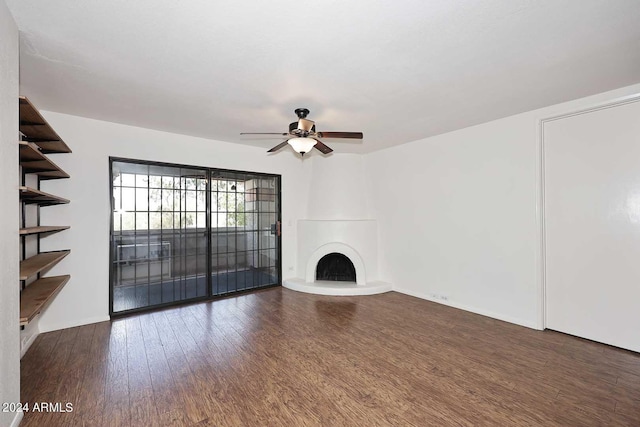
(181, 233)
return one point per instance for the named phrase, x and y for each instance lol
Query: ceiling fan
(302, 135)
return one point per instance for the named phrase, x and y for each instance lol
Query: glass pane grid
(175, 233)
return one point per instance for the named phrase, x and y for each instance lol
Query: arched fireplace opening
(336, 267)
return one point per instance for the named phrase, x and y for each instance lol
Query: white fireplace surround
(341, 248)
(356, 239)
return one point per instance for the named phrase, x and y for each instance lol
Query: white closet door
(592, 223)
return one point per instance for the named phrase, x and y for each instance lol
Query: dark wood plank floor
(279, 357)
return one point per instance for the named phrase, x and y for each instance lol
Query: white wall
(9, 219)
(338, 186)
(458, 214)
(85, 298)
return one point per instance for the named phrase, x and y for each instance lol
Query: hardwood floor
(279, 357)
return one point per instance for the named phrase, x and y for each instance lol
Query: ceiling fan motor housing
(294, 129)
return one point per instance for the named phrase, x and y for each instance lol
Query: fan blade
(279, 146)
(264, 133)
(322, 147)
(352, 135)
(306, 125)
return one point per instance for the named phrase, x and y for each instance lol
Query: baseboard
(509, 319)
(72, 324)
(28, 335)
(17, 419)
(24, 347)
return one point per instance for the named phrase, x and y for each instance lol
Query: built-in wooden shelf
(33, 161)
(36, 129)
(35, 297)
(31, 196)
(39, 263)
(43, 229)
(38, 139)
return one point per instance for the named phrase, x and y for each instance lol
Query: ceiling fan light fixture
(302, 145)
(302, 135)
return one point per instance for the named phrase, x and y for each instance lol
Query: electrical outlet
(439, 297)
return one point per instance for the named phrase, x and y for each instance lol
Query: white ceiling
(396, 70)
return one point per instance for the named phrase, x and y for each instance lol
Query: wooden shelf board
(37, 130)
(41, 262)
(35, 297)
(33, 161)
(31, 195)
(43, 229)
(30, 152)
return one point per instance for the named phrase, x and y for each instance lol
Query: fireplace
(337, 257)
(337, 267)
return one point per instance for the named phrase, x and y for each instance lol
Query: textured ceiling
(396, 70)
